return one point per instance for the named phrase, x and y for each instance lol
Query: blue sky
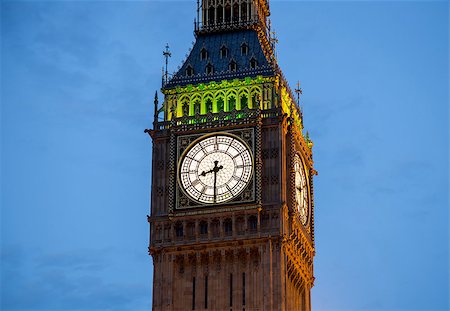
(77, 82)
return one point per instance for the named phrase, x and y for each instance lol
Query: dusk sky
(77, 85)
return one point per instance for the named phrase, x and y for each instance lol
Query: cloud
(75, 280)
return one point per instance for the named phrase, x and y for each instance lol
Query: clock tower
(232, 209)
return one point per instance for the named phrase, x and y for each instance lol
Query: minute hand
(216, 170)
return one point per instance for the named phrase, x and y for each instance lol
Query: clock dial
(215, 169)
(301, 190)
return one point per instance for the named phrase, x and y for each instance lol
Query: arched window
(205, 15)
(223, 52)
(228, 226)
(265, 219)
(236, 12)
(231, 102)
(219, 14)
(252, 223)
(211, 13)
(190, 230)
(185, 108)
(228, 13)
(220, 104)
(244, 11)
(209, 69)
(255, 100)
(232, 66)
(240, 225)
(244, 101)
(244, 49)
(209, 105)
(203, 228)
(203, 54)
(253, 63)
(179, 230)
(215, 228)
(197, 107)
(189, 71)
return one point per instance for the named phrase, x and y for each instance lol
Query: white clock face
(215, 169)
(301, 190)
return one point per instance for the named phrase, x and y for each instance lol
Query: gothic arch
(231, 100)
(208, 102)
(244, 99)
(255, 97)
(196, 104)
(219, 99)
(185, 104)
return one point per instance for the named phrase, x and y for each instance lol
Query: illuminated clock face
(215, 169)
(301, 190)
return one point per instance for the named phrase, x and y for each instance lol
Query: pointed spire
(156, 112)
(299, 92)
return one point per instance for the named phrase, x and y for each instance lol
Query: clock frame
(246, 195)
(301, 190)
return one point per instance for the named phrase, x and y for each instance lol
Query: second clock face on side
(301, 190)
(215, 169)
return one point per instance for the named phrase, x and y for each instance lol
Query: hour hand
(206, 173)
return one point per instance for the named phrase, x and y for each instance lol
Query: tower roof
(243, 47)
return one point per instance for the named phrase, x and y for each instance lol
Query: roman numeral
(236, 178)
(195, 182)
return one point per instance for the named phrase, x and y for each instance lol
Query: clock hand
(206, 173)
(216, 169)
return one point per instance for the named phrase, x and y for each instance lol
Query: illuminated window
(197, 107)
(220, 104)
(209, 105)
(185, 108)
(244, 101)
(231, 103)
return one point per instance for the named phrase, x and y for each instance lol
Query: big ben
(232, 209)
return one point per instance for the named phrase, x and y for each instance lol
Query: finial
(156, 112)
(197, 22)
(299, 92)
(273, 38)
(167, 54)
